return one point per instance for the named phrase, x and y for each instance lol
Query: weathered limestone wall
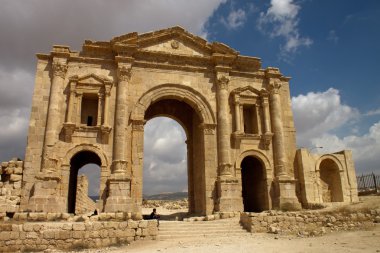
(10, 186)
(307, 222)
(84, 204)
(39, 236)
(326, 178)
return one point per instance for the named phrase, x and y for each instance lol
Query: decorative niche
(88, 108)
(251, 116)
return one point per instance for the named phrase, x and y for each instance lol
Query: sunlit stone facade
(91, 107)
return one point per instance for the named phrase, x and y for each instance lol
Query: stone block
(143, 224)
(79, 227)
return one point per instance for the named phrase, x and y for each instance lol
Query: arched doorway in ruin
(254, 185)
(78, 161)
(193, 112)
(185, 115)
(330, 181)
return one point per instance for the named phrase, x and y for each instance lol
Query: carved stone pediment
(91, 79)
(247, 91)
(173, 40)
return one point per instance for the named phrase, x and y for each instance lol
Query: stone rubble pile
(308, 223)
(167, 204)
(10, 186)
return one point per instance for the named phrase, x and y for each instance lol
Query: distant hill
(166, 196)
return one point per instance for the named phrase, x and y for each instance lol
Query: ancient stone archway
(330, 180)
(78, 161)
(75, 159)
(192, 112)
(256, 163)
(237, 109)
(254, 188)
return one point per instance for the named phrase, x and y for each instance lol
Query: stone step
(198, 229)
(195, 230)
(202, 235)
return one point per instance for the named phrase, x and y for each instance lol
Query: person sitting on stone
(155, 215)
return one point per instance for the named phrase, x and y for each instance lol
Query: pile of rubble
(10, 186)
(167, 204)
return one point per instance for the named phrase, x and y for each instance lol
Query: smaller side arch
(258, 154)
(330, 179)
(331, 157)
(262, 192)
(84, 147)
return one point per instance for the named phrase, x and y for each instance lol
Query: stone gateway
(91, 107)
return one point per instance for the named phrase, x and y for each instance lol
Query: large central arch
(192, 111)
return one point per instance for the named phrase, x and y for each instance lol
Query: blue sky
(331, 50)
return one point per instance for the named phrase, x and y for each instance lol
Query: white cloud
(317, 113)
(319, 116)
(165, 156)
(235, 19)
(281, 20)
(373, 112)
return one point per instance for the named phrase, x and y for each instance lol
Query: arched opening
(82, 185)
(253, 185)
(192, 150)
(331, 185)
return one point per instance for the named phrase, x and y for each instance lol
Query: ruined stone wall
(39, 236)
(84, 204)
(10, 186)
(307, 222)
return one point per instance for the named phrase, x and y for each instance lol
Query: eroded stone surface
(91, 107)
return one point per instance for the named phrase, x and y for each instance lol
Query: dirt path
(345, 242)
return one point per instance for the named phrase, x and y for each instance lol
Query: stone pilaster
(46, 195)
(228, 186)
(286, 188)
(237, 115)
(119, 183)
(224, 164)
(59, 68)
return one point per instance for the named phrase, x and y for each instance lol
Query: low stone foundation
(38, 236)
(307, 223)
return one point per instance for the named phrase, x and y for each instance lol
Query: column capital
(222, 82)
(208, 129)
(59, 69)
(123, 73)
(274, 86)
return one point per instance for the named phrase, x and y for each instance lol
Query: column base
(229, 192)
(287, 199)
(46, 196)
(119, 194)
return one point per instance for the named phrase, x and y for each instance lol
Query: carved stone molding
(124, 73)
(267, 139)
(59, 69)
(223, 82)
(274, 86)
(138, 125)
(119, 166)
(208, 129)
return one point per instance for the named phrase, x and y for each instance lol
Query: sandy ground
(353, 241)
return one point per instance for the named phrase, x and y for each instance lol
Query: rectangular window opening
(89, 109)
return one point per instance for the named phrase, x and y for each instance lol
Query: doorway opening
(253, 185)
(191, 155)
(331, 185)
(165, 181)
(84, 183)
